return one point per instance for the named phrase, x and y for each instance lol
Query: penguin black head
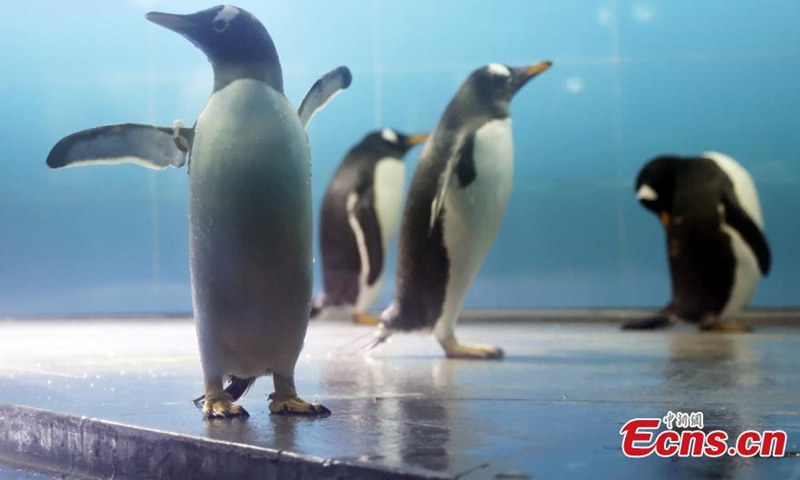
(494, 85)
(655, 186)
(391, 143)
(235, 42)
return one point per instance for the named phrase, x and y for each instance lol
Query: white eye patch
(227, 14)
(389, 135)
(646, 192)
(498, 69)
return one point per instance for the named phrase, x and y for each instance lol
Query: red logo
(641, 438)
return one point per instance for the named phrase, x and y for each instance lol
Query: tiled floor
(552, 409)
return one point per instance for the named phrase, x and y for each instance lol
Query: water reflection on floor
(552, 409)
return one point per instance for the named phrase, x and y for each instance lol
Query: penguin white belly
(250, 222)
(388, 185)
(746, 275)
(473, 214)
(366, 293)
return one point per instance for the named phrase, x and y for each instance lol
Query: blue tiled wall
(632, 79)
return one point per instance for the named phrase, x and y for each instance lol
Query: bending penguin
(250, 205)
(455, 206)
(716, 244)
(359, 218)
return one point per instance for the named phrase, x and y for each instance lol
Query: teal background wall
(631, 80)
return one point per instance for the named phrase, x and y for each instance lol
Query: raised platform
(107, 398)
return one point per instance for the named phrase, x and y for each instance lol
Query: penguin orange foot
(364, 319)
(222, 406)
(453, 349)
(284, 401)
(475, 352)
(294, 405)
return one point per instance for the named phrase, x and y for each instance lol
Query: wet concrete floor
(12, 473)
(552, 408)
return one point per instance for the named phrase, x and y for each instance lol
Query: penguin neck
(460, 112)
(467, 104)
(227, 73)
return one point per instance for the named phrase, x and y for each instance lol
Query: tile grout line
(155, 260)
(618, 145)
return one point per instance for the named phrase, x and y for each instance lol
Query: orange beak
(417, 139)
(538, 68)
(665, 220)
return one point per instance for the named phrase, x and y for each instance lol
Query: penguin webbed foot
(364, 319)
(236, 389)
(656, 322)
(294, 405)
(474, 352)
(363, 344)
(720, 326)
(222, 407)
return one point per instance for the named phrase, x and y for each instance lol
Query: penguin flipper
(738, 219)
(322, 92)
(458, 150)
(146, 145)
(367, 229)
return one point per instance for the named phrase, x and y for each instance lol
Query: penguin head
(391, 143)
(235, 42)
(494, 85)
(655, 186)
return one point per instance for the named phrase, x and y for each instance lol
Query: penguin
(455, 206)
(250, 205)
(359, 218)
(717, 248)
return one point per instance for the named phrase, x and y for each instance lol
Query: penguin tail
(236, 389)
(239, 386)
(382, 336)
(315, 311)
(317, 306)
(364, 344)
(656, 322)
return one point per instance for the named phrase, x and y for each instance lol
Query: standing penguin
(360, 215)
(250, 205)
(715, 237)
(455, 206)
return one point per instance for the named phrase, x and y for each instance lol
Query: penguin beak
(182, 24)
(538, 68)
(188, 26)
(665, 219)
(196, 27)
(523, 75)
(417, 139)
